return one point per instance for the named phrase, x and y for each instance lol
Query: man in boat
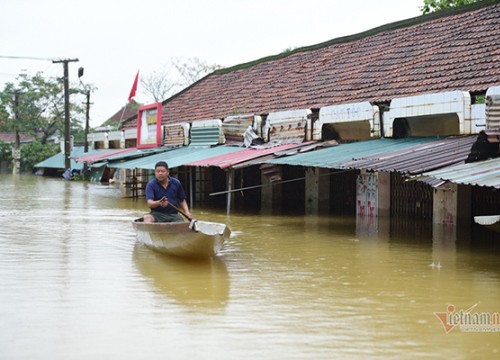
(165, 197)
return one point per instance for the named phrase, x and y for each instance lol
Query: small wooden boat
(195, 239)
(492, 222)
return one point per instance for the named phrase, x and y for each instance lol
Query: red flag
(134, 87)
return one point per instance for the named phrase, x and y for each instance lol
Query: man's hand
(163, 202)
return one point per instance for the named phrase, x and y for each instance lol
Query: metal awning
(336, 157)
(244, 155)
(58, 162)
(174, 157)
(481, 173)
(103, 157)
(94, 156)
(138, 154)
(418, 158)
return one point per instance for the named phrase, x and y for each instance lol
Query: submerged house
(342, 125)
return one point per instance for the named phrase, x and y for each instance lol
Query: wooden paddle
(179, 210)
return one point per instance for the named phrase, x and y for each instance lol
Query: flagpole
(121, 117)
(132, 94)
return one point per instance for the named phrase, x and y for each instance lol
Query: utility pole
(87, 119)
(67, 136)
(16, 151)
(86, 143)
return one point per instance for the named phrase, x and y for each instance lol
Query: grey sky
(114, 39)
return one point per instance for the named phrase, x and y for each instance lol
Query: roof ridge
(441, 52)
(370, 32)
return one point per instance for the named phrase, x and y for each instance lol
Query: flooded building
(354, 125)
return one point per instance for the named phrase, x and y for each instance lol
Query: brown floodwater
(75, 285)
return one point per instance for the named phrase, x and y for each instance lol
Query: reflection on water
(74, 284)
(193, 283)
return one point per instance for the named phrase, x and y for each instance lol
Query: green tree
(35, 152)
(438, 5)
(5, 152)
(34, 105)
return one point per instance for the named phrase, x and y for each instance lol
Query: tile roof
(10, 137)
(126, 114)
(453, 50)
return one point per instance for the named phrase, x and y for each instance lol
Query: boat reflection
(190, 282)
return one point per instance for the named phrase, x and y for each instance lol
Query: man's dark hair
(161, 163)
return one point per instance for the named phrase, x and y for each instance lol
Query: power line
(277, 182)
(25, 58)
(8, 74)
(12, 57)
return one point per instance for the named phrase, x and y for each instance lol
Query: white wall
(456, 103)
(350, 116)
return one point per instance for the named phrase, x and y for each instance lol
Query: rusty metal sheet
(175, 135)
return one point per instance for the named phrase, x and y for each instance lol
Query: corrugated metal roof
(418, 158)
(334, 157)
(138, 153)
(97, 155)
(57, 161)
(481, 173)
(228, 160)
(174, 157)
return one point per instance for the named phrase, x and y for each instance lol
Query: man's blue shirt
(174, 194)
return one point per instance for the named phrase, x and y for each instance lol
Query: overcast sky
(115, 39)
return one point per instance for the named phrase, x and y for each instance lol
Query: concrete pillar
(373, 194)
(229, 187)
(445, 202)
(443, 246)
(317, 191)
(366, 195)
(324, 190)
(384, 193)
(122, 140)
(312, 185)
